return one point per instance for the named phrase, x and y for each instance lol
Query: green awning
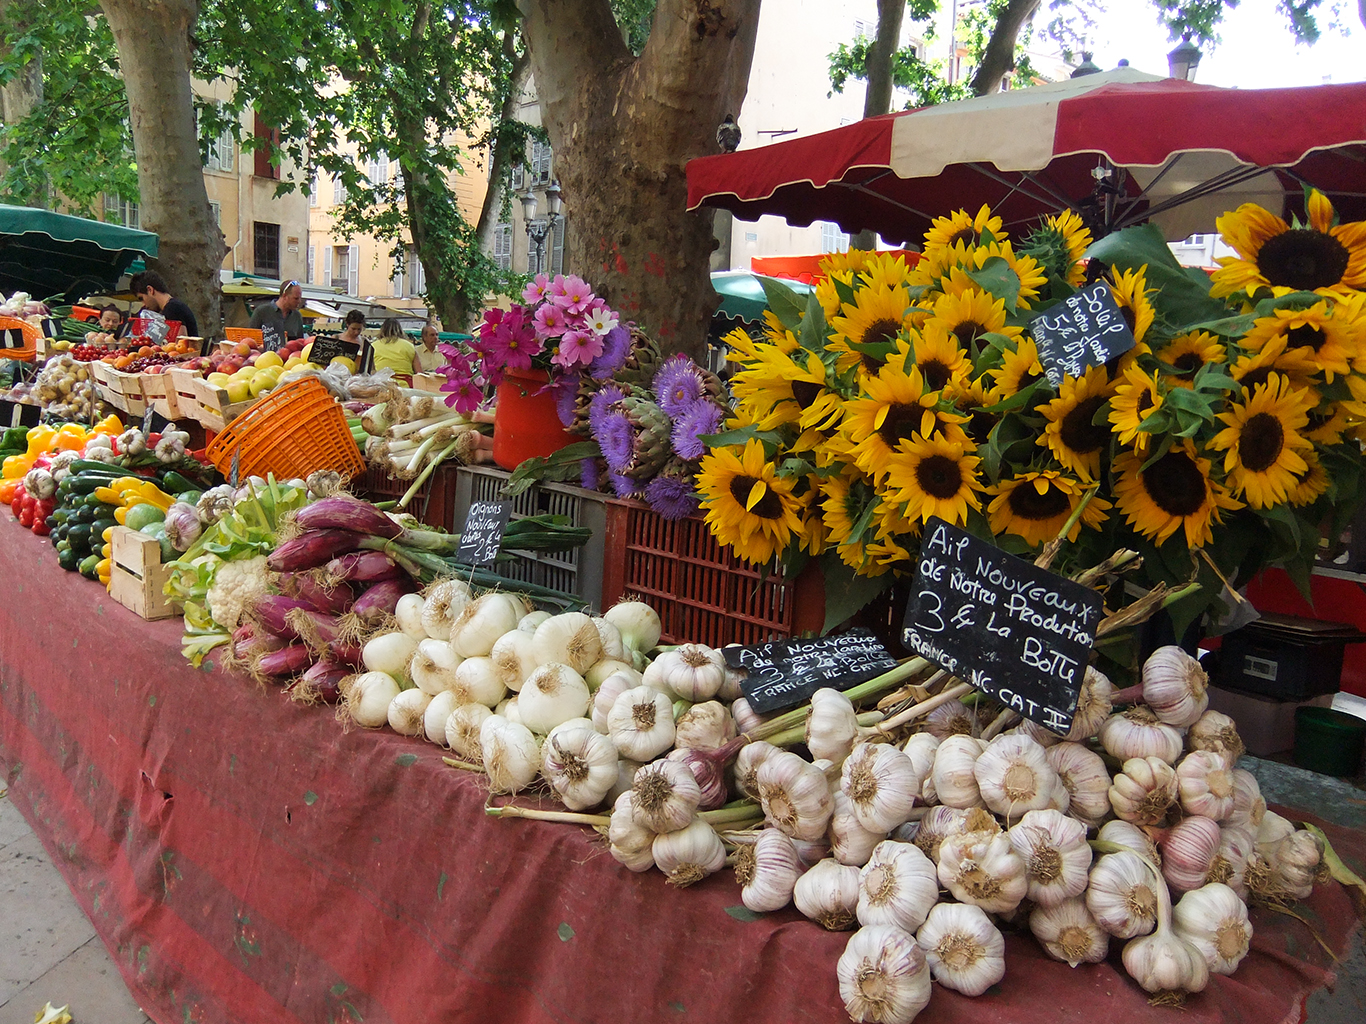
(47, 254)
(742, 296)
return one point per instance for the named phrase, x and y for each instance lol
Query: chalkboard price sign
(325, 350)
(1083, 330)
(784, 673)
(273, 336)
(482, 535)
(1007, 627)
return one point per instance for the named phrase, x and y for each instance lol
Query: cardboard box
(1266, 724)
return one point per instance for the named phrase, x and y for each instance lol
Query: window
(397, 279)
(353, 270)
(502, 246)
(538, 170)
(221, 149)
(338, 190)
(556, 247)
(399, 186)
(121, 211)
(342, 272)
(309, 273)
(217, 210)
(379, 170)
(313, 191)
(417, 276)
(832, 238)
(325, 273)
(518, 177)
(266, 248)
(864, 29)
(269, 142)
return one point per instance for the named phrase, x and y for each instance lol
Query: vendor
(427, 359)
(283, 311)
(393, 351)
(352, 327)
(150, 287)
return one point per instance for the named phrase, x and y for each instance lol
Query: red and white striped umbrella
(1177, 152)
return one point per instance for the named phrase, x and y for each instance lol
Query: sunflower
(1036, 505)
(1330, 339)
(1029, 270)
(1174, 493)
(934, 477)
(962, 228)
(844, 499)
(888, 554)
(1020, 368)
(828, 295)
(778, 387)
(1263, 441)
(849, 262)
(1071, 434)
(1185, 354)
(1311, 484)
(776, 333)
(967, 314)
(814, 537)
(970, 397)
(1329, 421)
(1271, 254)
(884, 270)
(895, 406)
(1296, 364)
(740, 347)
(938, 358)
(749, 506)
(876, 316)
(1136, 398)
(1067, 239)
(1130, 290)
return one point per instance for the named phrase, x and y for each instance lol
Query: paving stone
(40, 922)
(88, 982)
(12, 824)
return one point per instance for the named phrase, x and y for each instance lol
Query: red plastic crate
(433, 504)
(701, 590)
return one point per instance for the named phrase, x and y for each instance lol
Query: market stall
(46, 253)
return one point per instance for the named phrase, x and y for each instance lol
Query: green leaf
(742, 913)
(785, 303)
(406, 760)
(740, 435)
(560, 466)
(997, 278)
(811, 337)
(846, 592)
(1181, 298)
(564, 932)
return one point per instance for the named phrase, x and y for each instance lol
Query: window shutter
(326, 274)
(557, 250)
(311, 250)
(353, 270)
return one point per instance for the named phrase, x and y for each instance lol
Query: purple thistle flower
(601, 403)
(590, 474)
(690, 423)
(678, 384)
(616, 437)
(623, 485)
(616, 346)
(672, 497)
(566, 389)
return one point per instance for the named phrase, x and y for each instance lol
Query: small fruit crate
(578, 571)
(161, 394)
(137, 577)
(702, 592)
(434, 502)
(121, 390)
(428, 382)
(201, 401)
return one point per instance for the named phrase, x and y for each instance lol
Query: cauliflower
(236, 586)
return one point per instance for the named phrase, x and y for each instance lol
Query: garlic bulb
(1084, 776)
(444, 602)
(1229, 866)
(626, 778)
(1285, 862)
(1188, 850)
(689, 854)
(832, 726)
(828, 893)
(883, 976)
(983, 870)
(732, 686)
(939, 823)
(954, 775)
(1069, 933)
(1129, 835)
(483, 621)
(1137, 732)
(850, 842)
(666, 796)
(1248, 805)
(406, 712)
(709, 770)
(1122, 895)
(508, 709)
(745, 717)
(476, 682)
(462, 730)
(704, 726)
(569, 638)
(510, 753)
(1214, 920)
(747, 767)
(513, 658)
(1144, 789)
(1035, 732)
(436, 716)
(1093, 706)
(1204, 785)
(794, 794)
(580, 764)
(1056, 855)
(641, 723)
(880, 783)
(897, 886)
(693, 672)
(612, 647)
(553, 694)
(964, 949)
(606, 695)
(951, 719)
(1175, 686)
(920, 750)
(632, 844)
(1164, 963)
(433, 666)
(767, 871)
(1013, 776)
(1217, 733)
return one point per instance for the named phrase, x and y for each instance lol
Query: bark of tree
(622, 129)
(22, 93)
(877, 70)
(500, 155)
(153, 38)
(1000, 52)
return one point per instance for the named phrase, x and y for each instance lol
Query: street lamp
(537, 231)
(1182, 61)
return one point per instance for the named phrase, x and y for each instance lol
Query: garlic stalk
(666, 796)
(850, 842)
(579, 763)
(1144, 790)
(1013, 776)
(880, 783)
(794, 794)
(1084, 776)
(828, 893)
(1122, 895)
(767, 871)
(641, 723)
(1057, 857)
(1214, 920)
(689, 854)
(883, 976)
(897, 886)
(983, 869)
(964, 949)
(1069, 933)
(1205, 785)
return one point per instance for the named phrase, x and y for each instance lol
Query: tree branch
(586, 43)
(1000, 52)
(877, 67)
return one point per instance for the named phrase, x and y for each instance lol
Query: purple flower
(616, 345)
(537, 290)
(623, 485)
(590, 474)
(462, 395)
(672, 497)
(566, 390)
(699, 418)
(678, 384)
(616, 437)
(601, 403)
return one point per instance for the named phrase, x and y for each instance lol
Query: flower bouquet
(1225, 440)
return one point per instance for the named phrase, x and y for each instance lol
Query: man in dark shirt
(283, 311)
(150, 287)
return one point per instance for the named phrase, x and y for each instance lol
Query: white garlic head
(964, 949)
(1122, 895)
(1217, 733)
(641, 723)
(1087, 781)
(883, 976)
(580, 764)
(828, 893)
(794, 794)
(1127, 834)
(1236, 845)
(1204, 785)
(897, 886)
(767, 871)
(832, 726)
(1214, 920)
(632, 844)
(1143, 790)
(1188, 851)
(1165, 964)
(1014, 776)
(938, 823)
(951, 719)
(1069, 933)
(954, 773)
(690, 854)
(747, 764)
(666, 796)
(1248, 806)
(693, 672)
(704, 726)
(850, 842)
(1056, 854)
(984, 870)
(880, 783)
(1093, 706)
(1175, 686)
(1138, 732)
(920, 750)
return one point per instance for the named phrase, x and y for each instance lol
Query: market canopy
(742, 294)
(46, 254)
(1174, 151)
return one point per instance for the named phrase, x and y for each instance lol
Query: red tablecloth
(246, 861)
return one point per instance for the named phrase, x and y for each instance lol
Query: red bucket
(526, 424)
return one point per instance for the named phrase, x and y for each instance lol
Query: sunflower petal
(1320, 211)
(756, 495)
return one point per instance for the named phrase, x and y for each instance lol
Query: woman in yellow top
(392, 350)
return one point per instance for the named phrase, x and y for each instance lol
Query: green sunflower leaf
(739, 436)
(1182, 298)
(997, 278)
(1226, 327)
(785, 303)
(844, 291)
(1294, 300)
(795, 468)
(811, 336)
(1164, 446)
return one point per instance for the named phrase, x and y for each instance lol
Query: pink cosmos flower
(537, 290)
(578, 347)
(574, 295)
(550, 321)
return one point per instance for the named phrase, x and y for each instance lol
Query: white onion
(638, 624)
(368, 697)
(477, 682)
(408, 611)
(437, 715)
(462, 729)
(389, 653)
(433, 666)
(511, 755)
(569, 639)
(513, 658)
(553, 694)
(444, 603)
(528, 622)
(482, 622)
(406, 712)
(607, 667)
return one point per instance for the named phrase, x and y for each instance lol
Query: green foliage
(634, 18)
(76, 142)
(1201, 18)
(925, 80)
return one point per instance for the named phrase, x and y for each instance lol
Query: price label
(1001, 624)
(326, 349)
(785, 673)
(1083, 330)
(482, 535)
(273, 336)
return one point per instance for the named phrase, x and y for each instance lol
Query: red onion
(363, 566)
(312, 549)
(285, 662)
(330, 600)
(270, 613)
(317, 630)
(381, 599)
(322, 682)
(709, 769)
(250, 647)
(343, 512)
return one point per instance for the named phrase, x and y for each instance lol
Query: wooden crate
(161, 394)
(428, 381)
(137, 578)
(200, 401)
(121, 390)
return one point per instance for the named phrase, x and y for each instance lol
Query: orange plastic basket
(247, 334)
(295, 430)
(26, 352)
